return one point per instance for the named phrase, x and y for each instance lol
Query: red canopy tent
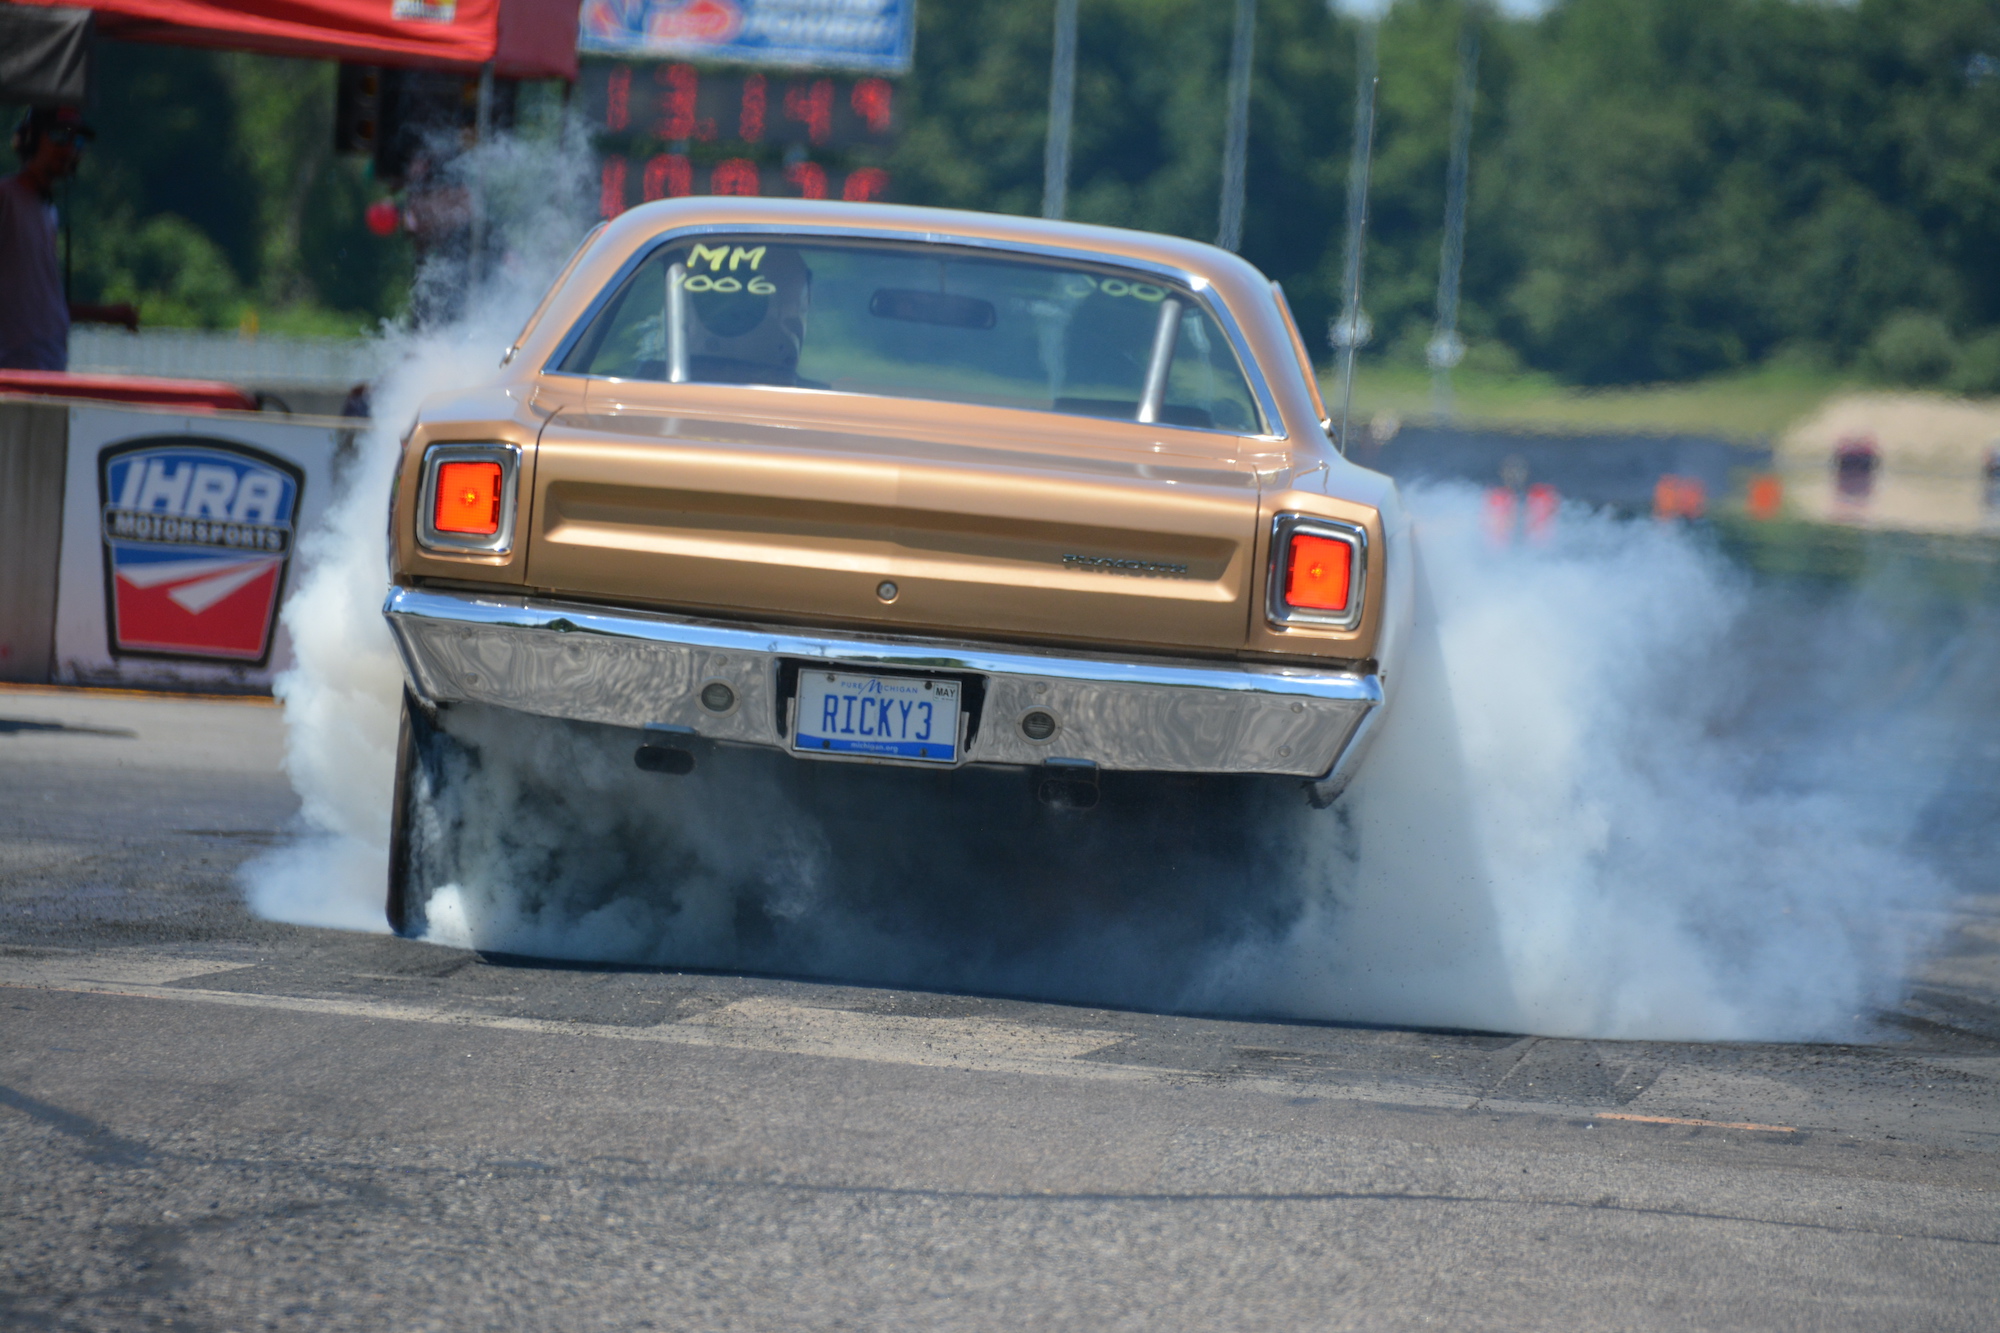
(519, 39)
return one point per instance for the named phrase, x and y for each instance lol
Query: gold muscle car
(873, 484)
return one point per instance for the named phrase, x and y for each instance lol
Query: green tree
(212, 190)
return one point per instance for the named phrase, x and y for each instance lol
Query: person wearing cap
(34, 313)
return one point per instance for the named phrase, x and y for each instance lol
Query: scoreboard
(671, 129)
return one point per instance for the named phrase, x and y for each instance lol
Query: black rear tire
(398, 905)
(419, 840)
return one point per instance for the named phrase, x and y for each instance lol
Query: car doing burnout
(872, 484)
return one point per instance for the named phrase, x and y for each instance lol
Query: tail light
(468, 497)
(1319, 568)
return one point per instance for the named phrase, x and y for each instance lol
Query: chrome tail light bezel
(501, 542)
(1287, 526)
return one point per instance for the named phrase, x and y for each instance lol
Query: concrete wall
(33, 452)
(309, 376)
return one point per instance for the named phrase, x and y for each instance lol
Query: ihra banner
(197, 538)
(180, 542)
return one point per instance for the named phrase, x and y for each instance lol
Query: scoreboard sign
(679, 103)
(670, 130)
(197, 542)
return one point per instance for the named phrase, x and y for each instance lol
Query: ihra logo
(197, 540)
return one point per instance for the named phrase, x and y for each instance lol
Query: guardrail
(262, 362)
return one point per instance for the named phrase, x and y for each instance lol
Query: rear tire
(418, 841)
(397, 908)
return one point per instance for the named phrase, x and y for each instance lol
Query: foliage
(1745, 404)
(212, 198)
(1913, 347)
(1661, 189)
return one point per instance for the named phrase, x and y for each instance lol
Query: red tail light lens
(468, 498)
(1319, 573)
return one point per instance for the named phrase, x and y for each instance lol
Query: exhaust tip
(1067, 784)
(664, 759)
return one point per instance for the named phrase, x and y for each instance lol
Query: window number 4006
(701, 282)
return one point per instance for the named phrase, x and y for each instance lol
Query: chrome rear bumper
(634, 668)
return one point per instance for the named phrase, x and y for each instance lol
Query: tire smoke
(1624, 790)
(342, 694)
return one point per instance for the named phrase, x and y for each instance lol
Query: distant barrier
(267, 361)
(1633, 473)
(1854, 483)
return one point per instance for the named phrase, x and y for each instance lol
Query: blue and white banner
(180, 543)
(877, 36)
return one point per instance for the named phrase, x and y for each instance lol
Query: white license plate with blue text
(876, 717)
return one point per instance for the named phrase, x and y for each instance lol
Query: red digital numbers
(680, 103)
(618, 99)
(611, 188)
(652, 116)
(811, 105)
(675, 176)
(738, 175)
(864, 184)
(679, 106)
(750, 120)
(873, 101)
(808, 178)
(668, 176)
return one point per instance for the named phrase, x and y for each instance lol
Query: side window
(629, 340)
(1204, 387)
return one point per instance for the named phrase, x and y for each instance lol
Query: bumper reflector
(468, 498)
(1318, 572)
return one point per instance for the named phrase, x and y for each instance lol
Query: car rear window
(921, 321)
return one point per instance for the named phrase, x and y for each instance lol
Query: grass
(1743, 405)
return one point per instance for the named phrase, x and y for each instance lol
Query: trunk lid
(990, 523)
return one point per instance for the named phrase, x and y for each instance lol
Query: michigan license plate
(876, 717)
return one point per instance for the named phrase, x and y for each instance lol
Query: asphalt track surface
(209, 1122)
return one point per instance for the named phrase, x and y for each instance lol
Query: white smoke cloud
(342, 696)
(1576, 826)
(1581, 818)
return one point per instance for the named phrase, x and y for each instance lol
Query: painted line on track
(1705, 1124)
(756, 1024)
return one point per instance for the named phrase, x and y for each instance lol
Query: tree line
(1660, 189)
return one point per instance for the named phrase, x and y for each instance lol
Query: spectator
(34, 313)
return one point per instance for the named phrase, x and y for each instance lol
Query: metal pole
(1237, 141)
(677, 350)
(1446, 348)
(1166, 329)
(1352, 329)
(1062, 109)
(482, 132)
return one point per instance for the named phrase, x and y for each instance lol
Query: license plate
(877, 717)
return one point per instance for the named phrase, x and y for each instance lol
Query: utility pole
(1236, 141)
(1446, 349)
(482, 137)
(1353, 328)
(1062, 110)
